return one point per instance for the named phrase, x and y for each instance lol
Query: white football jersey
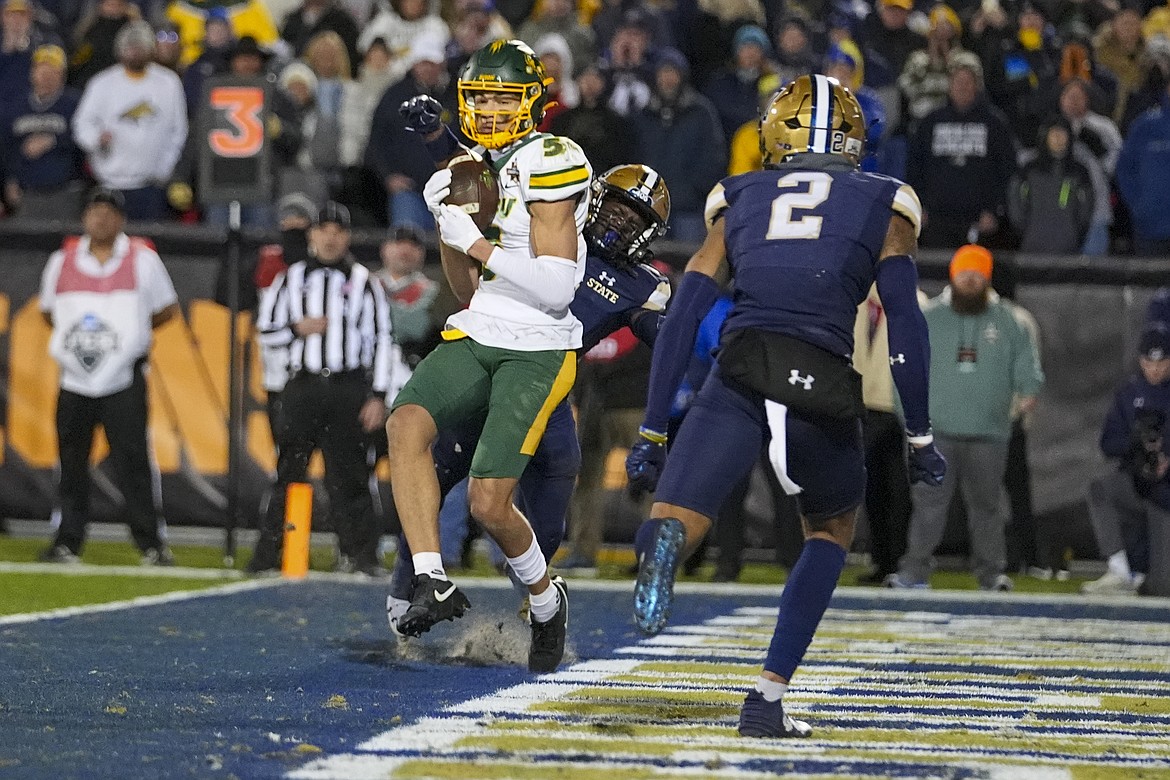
(538, 167)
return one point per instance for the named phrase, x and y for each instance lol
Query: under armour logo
(899, 358)
(607, 279)
(794, 378)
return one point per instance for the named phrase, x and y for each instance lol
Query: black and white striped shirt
(358, 336)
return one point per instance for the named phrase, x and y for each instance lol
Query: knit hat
(944, 13)
(335, 213)
(49, 54)
(971, 258)
(1155, 342)
(296, 204)
(750, 33)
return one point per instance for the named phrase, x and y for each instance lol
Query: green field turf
(27, 592)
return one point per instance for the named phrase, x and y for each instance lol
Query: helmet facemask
(619, 228)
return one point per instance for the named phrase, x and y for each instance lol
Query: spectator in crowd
(1098, 133)
(887, 41)
(358, 103)
(735, 90)
(843, 62)
(631, 70)
(468, 33)
(794, 51)
(1052, 199)
(1121, 49)
(1022, 63)
(218, 41)
(981, 359)
(925, 79)
(103, 295)
(744, 152)
(712, 34)
(554, 54)
(42, 164)
(316, 168)
(1149, 94)
(887, 481)
(94, 48)
(604, 136)
(317, 16)
(1130, 505)
(335, 397)
(1143, 177)
(167, 49)
(399, 24)
(326, 57)
(487, 19)
(397, 157)
(678, 135)
(961, 159)
(615, 14)
(20, 37)
(560, 17)
(132, 124)
(243, 17)
(410, 291)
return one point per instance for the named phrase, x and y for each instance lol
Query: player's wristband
(920, 440)
(652, 436)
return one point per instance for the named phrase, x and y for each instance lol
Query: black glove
(422, 114)
(927, 464)
(645, 462)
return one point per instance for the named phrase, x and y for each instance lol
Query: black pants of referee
(319, 412)
(123, 415)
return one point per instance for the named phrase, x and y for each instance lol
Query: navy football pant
(726, 429)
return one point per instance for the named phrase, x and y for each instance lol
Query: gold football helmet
(623, 235)
(812, 114)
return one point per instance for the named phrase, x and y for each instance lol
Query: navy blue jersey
(803, 240)
(609, 297)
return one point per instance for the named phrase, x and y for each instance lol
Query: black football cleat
(548, 639)
(431, 601)
(762, 718)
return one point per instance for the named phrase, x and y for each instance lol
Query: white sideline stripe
(140, 601)
(89, 569)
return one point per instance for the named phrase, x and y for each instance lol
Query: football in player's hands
(474, 189)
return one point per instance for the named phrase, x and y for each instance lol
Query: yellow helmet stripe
(822, 109)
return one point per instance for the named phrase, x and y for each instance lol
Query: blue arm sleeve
(672, 349)
(897, 284)
(646, 324)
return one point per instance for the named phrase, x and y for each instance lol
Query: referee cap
(109, 197)
(334, 212)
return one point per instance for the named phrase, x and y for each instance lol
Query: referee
(333, 317)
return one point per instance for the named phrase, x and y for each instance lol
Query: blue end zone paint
(204, 682)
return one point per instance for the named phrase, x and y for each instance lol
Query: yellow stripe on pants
(560, 388)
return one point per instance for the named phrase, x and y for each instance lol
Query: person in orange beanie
(982, 358)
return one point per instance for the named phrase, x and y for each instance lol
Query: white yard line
(140, 601)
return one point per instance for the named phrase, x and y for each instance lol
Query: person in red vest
(103, 295)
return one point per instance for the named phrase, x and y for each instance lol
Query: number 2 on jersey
(783, 224)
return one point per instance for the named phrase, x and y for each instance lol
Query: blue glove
(646, 460)
(422, 114)
(926, 464)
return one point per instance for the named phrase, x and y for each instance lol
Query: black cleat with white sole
(431, 601)
(766, 719)
(548, 639)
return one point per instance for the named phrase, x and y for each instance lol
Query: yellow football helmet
(614, 233)
(510, 67)
(812, 114)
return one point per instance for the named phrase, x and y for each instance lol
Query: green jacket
(978, 363)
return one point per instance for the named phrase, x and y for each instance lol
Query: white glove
(437, 188)
(456, 228)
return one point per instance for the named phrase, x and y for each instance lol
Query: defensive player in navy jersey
(805, 238)
(629, 208)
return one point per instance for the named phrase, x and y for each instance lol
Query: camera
(1146, 446)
